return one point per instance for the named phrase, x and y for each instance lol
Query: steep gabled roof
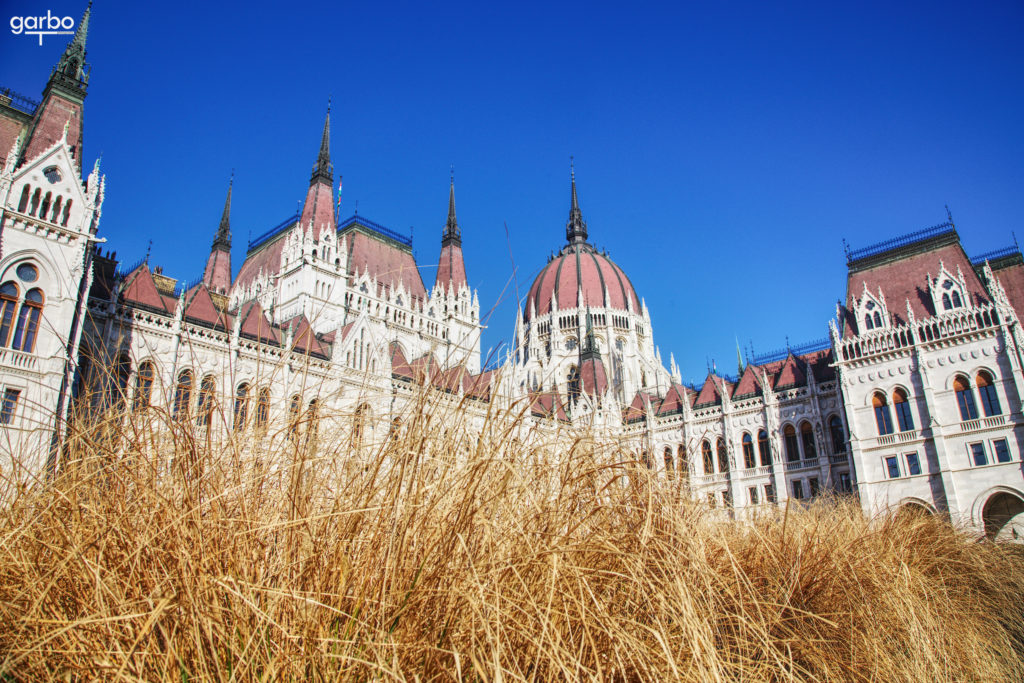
(749, 384)
(139, 289)
(674, 400)
(548, 404)
(304, 339)
(199, 308)
(480, 386)
(255, 324)
(400, 368)
(709, 394)
(425, 368)
(637, 410)
(790, 374)
(384, 259)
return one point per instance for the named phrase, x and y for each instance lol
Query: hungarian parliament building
(912, 402)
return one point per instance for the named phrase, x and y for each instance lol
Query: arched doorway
(1003, 516)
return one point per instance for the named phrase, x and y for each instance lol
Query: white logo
(43, 26)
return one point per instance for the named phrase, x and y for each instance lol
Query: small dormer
(871, 311)
(949, 291)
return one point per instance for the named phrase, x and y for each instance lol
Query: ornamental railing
(18, 101)
(995, 254)
(901, 241)
(377, 227)
(263, 237)
(948, 325)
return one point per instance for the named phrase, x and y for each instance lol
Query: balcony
(708, 479)
(810, 463)
(838, 459)
(18, 359)
(981, 423)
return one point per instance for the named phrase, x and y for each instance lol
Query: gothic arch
(48, 281)
(999, 513)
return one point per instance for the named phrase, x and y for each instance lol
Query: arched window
(359, 424)
(748, 452)
(946, 303)
(45, 206)
(56, 209)
(792, 446)
(904, 418)
(868, 323)
(684, 467)
(669, 465)
(204, 414)
(574, 384)
(764, 448)
(989, 397)
(645, 458)
(878, 319)
(965, 398)
(709, 460)
(8, 304)
(28, 321)
(23, 203)
(35, 201)
(957, 303)
(807, 438)
(835, 429)
(723, 456)
(144, 386)
(241, 407)
(294, 407)
(118, 395)
(67, 213)
(882, 417)
(183, 394)
(263, 408)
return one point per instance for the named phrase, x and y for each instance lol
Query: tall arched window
(957, 303)
(764, 448)
(681, 461)
(183, 394)
(670, 467)
(946, 303)
(574, 384)
(263, 408)
(792, 446)
(8, 304)
(204, 413)
(144, 386)
(709, 460)
(36, 196)
(882, 417)
(835, 429)
(989, 397)
(23, 203)
(118, 396)
(723, 456)
(748, 452)
(67, 213)
(294, 408)
(904, 418)
(28, 321)
(965, 398)
(359, 425)
(241, 406)
(807, 438)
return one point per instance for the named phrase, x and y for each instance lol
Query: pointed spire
(451, 233)
(72, 67)
(323, 170)
(223, 238)
(575, 228)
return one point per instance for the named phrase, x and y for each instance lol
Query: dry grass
(436, 556)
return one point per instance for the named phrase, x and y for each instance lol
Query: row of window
(965, 402)
(802, 488)
(979, 453)
(46, 207)
(797, 447)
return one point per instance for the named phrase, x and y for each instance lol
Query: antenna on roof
(148, 248)
(357, 207)
(1014, 235)
(949, 216)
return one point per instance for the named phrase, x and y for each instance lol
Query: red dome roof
(580, 266)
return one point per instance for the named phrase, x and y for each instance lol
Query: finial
(452, 174)
(572, 168)
(149, 247)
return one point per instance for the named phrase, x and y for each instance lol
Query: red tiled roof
(400, 367)
(386, 262)
(451, 269)
(674, 399)
(480, 386)
(425, 368)
(318, 209)
(709, 394)
(906, 278)
(749, 384)
(548, 404)
(637, 410)
(266, 259)
(255, 324)
(790, 374)
(561, 280)
(1012, 279)
(199, 308)
(593, 378)
(304, 339)
(140, 289)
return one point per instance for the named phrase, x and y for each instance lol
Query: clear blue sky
(723, 150)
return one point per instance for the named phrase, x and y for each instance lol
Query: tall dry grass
(436, 555)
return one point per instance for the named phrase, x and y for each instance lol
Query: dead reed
(436, 551)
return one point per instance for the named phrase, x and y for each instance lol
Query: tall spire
(223, 238)
(452, 233)
(217, 275)
(72, 67)
(323, 170)
(576, 228)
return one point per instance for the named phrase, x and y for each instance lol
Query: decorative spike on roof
(576, 227)
(323, 170)
(223, 237)
(451, 234)
(72, 66)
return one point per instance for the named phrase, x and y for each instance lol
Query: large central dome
(579, 268)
